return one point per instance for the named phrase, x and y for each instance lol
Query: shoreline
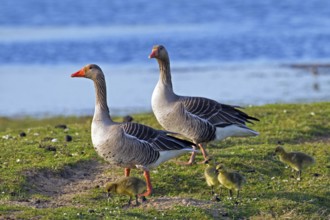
(49, 90)
(120, 113)
(21, 123)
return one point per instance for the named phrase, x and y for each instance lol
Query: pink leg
(203, 152)
(149, 186)
(127, 171)
(191, 159)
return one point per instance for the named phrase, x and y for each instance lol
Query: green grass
(37, 182)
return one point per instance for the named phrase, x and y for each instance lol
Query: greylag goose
(230, 180)
(296, 160)
(200, 119)
(129, 144)
(131, 186)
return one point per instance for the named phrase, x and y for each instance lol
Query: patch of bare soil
(64, 185)
(166, 203)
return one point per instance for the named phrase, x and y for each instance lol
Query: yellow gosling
(211, 176)
(131, 186)
(296, 160)
(230, 180)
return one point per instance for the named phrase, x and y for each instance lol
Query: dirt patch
(53, 183)
(63, 185)
(167, 203)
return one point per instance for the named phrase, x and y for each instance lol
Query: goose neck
(101, 106)
(165, 72)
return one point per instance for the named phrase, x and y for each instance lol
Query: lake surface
(235, 52)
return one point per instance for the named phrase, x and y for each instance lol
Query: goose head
(90, 71)
(159, 52)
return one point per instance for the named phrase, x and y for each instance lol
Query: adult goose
(129, 144)
(200, 119)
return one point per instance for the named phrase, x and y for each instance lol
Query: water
(232, 51)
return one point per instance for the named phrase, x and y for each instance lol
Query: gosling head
(90, 71)
(111, 188)
(159, 52)
(220, 168)
(211, 161)
(279, 150)
(208, 160)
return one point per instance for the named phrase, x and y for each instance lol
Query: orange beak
(154, 53)
(80, 73)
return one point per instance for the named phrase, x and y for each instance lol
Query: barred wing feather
(220, 115)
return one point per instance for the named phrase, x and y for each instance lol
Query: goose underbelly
(108, 146)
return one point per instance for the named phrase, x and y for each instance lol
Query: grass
(43, 179)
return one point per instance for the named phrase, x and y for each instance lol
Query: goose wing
(157, 140)
(218, 114)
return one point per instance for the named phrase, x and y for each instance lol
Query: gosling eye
(90, 67)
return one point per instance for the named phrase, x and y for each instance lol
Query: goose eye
(90, 67)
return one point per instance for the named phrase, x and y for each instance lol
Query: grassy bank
(44, 176)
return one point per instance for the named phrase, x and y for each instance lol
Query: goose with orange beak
(128, 144)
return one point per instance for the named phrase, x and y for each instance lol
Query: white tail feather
(167, 155)
(234, 131)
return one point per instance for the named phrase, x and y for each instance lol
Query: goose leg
(149, 186)
(127, 171)
(191, 159)
(203, 152)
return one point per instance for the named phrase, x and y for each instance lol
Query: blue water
(201, 36)
(223, 31)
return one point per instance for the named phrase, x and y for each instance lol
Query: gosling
(211, 176)
(296, 160)
(230, 180)
(131, 186)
